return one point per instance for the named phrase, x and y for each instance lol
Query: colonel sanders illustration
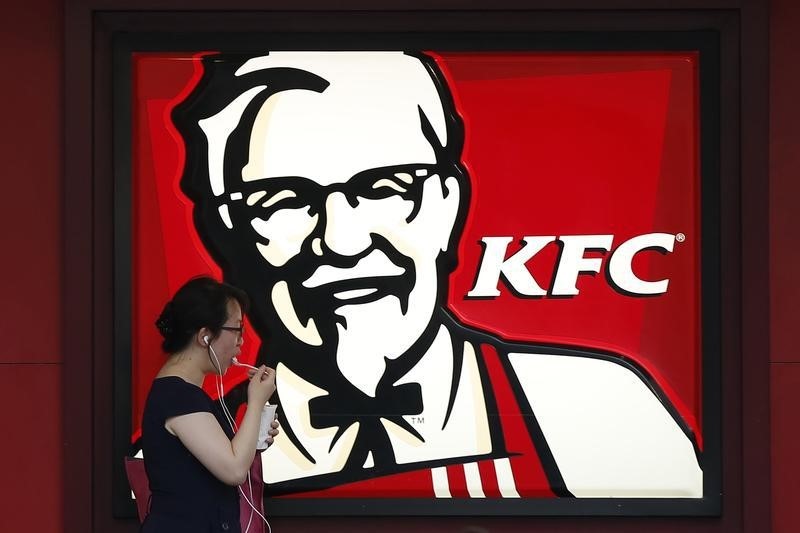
(329, 186)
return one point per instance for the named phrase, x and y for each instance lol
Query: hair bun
(166, 322)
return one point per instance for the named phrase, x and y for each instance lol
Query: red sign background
(555, 144)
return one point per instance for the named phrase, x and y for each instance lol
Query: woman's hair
(201, 302)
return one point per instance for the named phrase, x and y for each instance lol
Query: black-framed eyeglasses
(238, 329)
(261, 198)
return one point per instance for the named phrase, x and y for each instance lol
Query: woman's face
(227, 344)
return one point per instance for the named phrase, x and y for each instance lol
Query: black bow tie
(343, 408)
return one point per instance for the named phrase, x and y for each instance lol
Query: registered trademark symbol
(680, 237)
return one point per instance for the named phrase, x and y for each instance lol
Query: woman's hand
(261, 387)
(273, 431)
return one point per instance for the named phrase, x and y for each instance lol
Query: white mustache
(376, 264)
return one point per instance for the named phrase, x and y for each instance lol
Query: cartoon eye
(255, 197)
(385, 182)
(404, 176)
(265, 203)
(278, 197)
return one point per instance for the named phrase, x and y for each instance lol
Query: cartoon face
(345, 197)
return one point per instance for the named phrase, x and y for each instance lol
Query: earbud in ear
(206, 339)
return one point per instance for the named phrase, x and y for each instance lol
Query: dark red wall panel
(30, 151)
(785, 389)
(30, 271)
(784, 179)
(784, 263)
(31, 450)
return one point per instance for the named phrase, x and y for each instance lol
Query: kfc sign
(412, 229)
(572, 263)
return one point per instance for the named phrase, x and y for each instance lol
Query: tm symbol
(417, 419)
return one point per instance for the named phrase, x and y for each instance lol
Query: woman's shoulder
(173, 380)
(178, 395)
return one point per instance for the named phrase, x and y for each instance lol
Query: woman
(193, 458)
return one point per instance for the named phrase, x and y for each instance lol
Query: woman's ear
(204, 337)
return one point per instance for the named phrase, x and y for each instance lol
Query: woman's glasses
(238, 329)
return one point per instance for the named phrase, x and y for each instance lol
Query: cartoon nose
(346, 231)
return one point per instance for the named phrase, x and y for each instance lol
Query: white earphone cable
(232, 422)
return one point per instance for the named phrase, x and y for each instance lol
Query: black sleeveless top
(186, 496)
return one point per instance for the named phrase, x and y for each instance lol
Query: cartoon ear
(451, 204)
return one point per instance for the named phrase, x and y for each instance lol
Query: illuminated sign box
(480, 271)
